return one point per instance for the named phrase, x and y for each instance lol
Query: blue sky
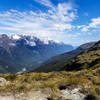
(71, 21)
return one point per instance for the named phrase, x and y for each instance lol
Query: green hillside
(88, 59)
(58, 62)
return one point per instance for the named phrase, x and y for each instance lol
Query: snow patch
(16, 37)
(32, 43)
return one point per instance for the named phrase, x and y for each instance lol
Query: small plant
(21, 88)
(11, 77)
(49, 98)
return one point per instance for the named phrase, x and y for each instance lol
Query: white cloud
(95, 23)
(62, 27)
(45, 3)
(84, 29)
(51, 24)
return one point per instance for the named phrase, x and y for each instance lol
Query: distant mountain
(21, 51)
(58, 62)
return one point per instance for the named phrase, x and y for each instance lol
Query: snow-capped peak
(48, 40)
(31, 43)
(16, 37)
(58, 42)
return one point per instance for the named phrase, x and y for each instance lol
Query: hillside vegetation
(57, 63)
(88, 59)
(53, 82)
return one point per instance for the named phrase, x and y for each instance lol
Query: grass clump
(11, 77)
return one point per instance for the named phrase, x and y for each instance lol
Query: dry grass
(88, 80)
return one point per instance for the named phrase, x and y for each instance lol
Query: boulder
(73, 94)
(3, 81)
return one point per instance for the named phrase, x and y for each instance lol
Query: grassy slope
(88, 59)
(53, 80)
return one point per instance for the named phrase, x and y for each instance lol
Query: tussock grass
(88, 80)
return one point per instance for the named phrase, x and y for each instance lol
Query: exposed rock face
(73, 94)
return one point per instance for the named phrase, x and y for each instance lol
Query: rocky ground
(33, 95)
(82, 85)
(38, 95)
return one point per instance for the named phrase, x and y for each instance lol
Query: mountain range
(28, 52)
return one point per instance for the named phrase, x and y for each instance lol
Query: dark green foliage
(11, 77)
(90, 97)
